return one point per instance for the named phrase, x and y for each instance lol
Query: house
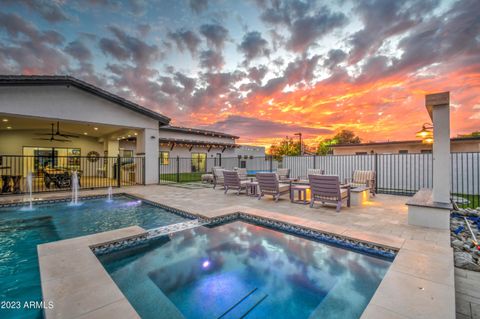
(60, 121)
(458, 144)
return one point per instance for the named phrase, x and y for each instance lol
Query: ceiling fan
(54, 135)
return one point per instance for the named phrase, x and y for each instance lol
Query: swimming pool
(242, 269)
(21, 231)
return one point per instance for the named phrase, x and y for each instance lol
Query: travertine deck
(419, 284)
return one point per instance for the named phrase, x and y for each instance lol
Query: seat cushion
(353, 185)
(363, 176)
(283, 187)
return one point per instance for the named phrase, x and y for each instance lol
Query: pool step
(245, 305)
(164, 230)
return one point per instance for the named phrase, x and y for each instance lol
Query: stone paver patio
(422, 270)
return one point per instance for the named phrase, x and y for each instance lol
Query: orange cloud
(390, 108)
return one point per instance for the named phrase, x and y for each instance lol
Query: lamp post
(301, 145)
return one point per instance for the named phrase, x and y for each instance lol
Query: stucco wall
(69, 103)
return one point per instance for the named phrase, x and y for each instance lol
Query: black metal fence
(53, 173)
(182, 170)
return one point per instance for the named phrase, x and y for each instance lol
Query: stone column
(147, 145)
(439, 104)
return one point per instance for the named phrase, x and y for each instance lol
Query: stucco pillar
(147, 144)
(112, 148)
(441, 153)
(431, 207)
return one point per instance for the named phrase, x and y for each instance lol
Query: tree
(473, 134)
(342, 137)
(346, 137)
(287, 146)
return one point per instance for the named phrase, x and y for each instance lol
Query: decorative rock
(457, 243)
(465, 260)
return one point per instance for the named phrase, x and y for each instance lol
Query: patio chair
(283, 174)
(269, 184)
(326, 189)
(217, 176)
(363, 178)
(242, 173)
(232, 181)
(315, 171)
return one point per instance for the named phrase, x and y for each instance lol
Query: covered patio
(51, 126)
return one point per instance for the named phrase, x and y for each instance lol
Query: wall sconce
(426, 133)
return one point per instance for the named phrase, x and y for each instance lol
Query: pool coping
(418, 284)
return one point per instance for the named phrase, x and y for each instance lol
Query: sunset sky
(261, 69)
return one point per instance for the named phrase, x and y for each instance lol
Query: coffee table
(251, 188)
(301, 190)
(359, 195)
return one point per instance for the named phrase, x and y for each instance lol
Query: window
(426, 151)
(199, 161)
(361, 153)
(403, 152)
(164, 158)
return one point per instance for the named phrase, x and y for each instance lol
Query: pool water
(239, 270)
(21, 231)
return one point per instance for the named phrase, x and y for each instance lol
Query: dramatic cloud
(198, 6)
(215, 34)
(128, 47)
(254, 46)
(78, 50)
(402, 16)
(185, 40)
(261, 69)
(256, 128)
(30, 50)
(49, 10)
(305, 31)
(211, 60)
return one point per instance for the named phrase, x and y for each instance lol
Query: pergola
(172, 142)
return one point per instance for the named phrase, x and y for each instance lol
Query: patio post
(147, 145)
(431, 207)
(441, 152)
(178, 169)
(117, 173)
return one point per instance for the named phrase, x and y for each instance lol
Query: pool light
(206, 264)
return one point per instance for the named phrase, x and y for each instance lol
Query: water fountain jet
(74, 201)
(109, 195)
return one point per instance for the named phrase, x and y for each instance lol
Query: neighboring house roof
(197, 131)
(454, 140)
(39, 80)
(178, 141)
